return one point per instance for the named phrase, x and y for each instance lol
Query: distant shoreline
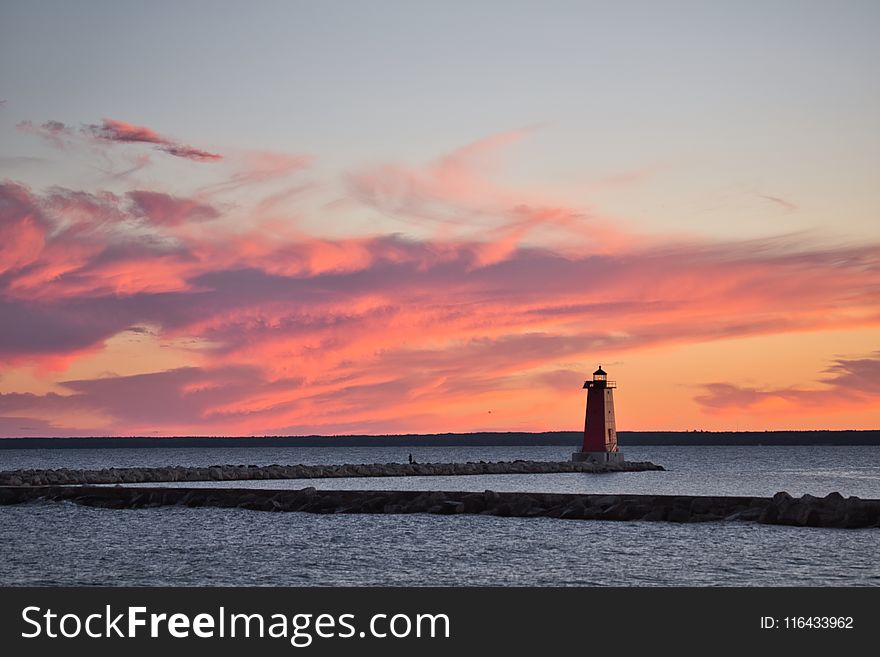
(476, 439)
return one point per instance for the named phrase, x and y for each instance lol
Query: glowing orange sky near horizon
(434, 299)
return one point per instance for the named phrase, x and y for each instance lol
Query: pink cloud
(303, 332)
(119, 131)
(455, 189)
(111, 131)
(168, 210)
(261, 167)
(22, 228)
(126, 132)
(457, 196)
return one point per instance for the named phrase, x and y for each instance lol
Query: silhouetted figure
(411, 459)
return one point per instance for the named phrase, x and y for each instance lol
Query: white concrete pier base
(601, 458)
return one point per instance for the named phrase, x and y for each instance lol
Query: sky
(226, 218)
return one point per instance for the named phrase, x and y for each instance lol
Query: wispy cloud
(850, 383)
(781, 202)
(168, 210)
(20, 160)
(120, 131)
(111, 131)
(55, 132)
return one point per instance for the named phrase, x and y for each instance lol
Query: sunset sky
(383, 217)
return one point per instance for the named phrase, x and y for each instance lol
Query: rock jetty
(65, 476)
(782, 509)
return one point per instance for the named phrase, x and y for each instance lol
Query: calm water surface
(53, 544)
(719, 470)
(61, 543)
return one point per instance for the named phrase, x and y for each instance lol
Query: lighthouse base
(597, 457)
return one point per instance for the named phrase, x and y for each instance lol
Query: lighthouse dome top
(599, 380)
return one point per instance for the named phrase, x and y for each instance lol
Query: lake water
(61, 543)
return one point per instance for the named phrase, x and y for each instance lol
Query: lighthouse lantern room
(600, 430)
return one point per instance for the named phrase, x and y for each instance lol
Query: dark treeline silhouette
(487, 439)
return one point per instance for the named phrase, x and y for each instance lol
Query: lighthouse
(600, 431)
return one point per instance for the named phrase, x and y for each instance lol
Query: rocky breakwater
(65, 476)
(830, 511)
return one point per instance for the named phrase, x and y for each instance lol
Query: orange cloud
(301, 332)
(851, 383)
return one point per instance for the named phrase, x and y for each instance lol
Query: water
(58, 544)
(65, 544)
(702, 470)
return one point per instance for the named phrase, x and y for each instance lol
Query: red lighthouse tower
(600, 431)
